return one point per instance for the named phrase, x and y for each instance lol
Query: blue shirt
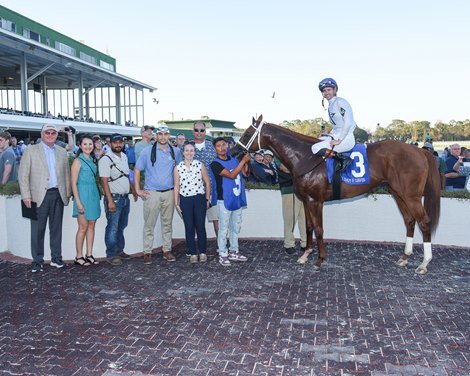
(160, 176)
(131, 155)
(50, 158)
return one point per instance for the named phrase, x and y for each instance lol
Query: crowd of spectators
(49, 115)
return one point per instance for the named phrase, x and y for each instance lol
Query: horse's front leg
(315, 212)
(309, 229)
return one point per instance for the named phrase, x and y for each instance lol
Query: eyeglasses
(50, 133)
(199, 130)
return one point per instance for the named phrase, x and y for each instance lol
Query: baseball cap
(116, 137)
(268, 152)
(49, 127)
(21, 142)
(162, 129)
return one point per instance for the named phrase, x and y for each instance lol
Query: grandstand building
(45, 74)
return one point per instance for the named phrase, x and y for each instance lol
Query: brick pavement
(270, 316)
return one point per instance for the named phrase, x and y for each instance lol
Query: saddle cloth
(357, 172)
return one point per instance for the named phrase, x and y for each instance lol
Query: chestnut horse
(409, 172)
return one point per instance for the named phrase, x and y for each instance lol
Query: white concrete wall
(368, 219)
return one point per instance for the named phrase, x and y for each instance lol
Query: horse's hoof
(302, 260)
(421, 270)
(316, 267)
(402, 263)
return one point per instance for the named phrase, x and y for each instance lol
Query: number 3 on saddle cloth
(358, 170)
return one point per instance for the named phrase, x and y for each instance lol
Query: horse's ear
(260, 119)
(253, 121)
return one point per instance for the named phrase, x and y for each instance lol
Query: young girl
(86, 204)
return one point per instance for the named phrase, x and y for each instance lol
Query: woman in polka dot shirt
(192, 199)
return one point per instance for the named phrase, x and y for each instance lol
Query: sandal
(91, 260)
(81, 261)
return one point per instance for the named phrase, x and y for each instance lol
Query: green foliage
(11, 188)
(418, 130)
(312, 128)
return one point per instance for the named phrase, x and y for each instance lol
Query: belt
(165, 190)
(115, 195)
(52, 189)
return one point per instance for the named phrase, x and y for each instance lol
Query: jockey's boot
(343, 162)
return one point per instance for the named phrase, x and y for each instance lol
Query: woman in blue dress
(86, 203)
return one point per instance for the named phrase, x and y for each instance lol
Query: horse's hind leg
(424, 223)
(413, 211)
(410, 223)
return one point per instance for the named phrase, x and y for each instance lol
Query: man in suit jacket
(44, 178)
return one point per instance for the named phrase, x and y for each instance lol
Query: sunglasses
(199, 130)
(50, 133)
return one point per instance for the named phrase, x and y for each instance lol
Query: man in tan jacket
(44, 178)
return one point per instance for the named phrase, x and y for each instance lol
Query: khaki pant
(158, 204)
(292, 212)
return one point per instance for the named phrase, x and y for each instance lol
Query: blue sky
(396, 59)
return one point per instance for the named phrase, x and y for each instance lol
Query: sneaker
(290, 250)
(114, 261)
(236, 256)
(224, 261)
(188, 254)
(168, 256)
(202, 257)
(124, 256)
(147, 258)
(37, 267)
(193, 259)
(59, 264)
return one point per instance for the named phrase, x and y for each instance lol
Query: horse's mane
(299, 136)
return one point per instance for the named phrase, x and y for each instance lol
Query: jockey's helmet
(327, 82)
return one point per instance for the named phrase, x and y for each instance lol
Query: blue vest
(234, 189)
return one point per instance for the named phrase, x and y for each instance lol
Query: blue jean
(193, 209)
(117, 222)
(230, 223)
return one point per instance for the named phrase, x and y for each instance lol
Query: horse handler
(231, 199)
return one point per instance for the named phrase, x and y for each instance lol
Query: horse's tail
(432, 193)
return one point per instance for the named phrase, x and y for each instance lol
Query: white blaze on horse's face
(328, 93)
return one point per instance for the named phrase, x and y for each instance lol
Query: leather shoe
(289, 251)
(168, 256)
(147, 258)
(124, 256)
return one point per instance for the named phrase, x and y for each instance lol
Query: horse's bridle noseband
(253, 137)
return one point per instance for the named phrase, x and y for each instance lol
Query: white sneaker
(224, 261)
(237, 256)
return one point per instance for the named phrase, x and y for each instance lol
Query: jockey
(341, 136)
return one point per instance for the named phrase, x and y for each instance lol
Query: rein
(257, 133)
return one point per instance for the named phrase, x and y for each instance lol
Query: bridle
(257, 133)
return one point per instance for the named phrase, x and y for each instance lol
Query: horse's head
(249, 141)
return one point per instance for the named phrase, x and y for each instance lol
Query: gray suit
(33, 177)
